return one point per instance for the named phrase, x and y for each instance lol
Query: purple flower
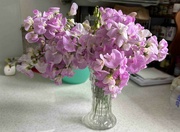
(67, 72)
(24, 68)
(28, 22)
(114, 59)
(73, 10)
(78, 30)
(58, 80)
(50, 34)
(68, 58)
(54, 9)
(37, 13)
(98, 65)
(136, 64)
(41, 66)
(124, 79)
(51, 71)
(68, 44)
(31, 37)
(163, 50)
(53, 57)
(100, 75)
(109, 80)
(114, 49)
(39, 25)
(53, 23)
(26, 58)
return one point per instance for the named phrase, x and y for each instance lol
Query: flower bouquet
(58, 51)
(113, 48)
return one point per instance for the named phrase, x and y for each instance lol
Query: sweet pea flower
(135, 64)
(50, 34)
(68, 44)
(51, 71)
(53, 57)
(68, 58)
(124, 80)
(67, 72)
(25, 69)
(41, 66)
(28, 22)
(48, 15)
(73, 10)
(98, 65)
(109, 80)
(37, 13)
(54, 9)
(100, 75)
(39, 25)
(112, 60)
(32, 37)
(113, 48)
(58, 80)
(163, 50)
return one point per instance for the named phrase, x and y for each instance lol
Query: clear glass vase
(100, 117)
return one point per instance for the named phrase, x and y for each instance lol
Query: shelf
(163, 16)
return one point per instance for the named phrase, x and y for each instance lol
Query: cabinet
(165, 20)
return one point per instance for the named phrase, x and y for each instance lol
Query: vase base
(99, 122)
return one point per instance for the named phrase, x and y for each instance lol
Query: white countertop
(38, 105)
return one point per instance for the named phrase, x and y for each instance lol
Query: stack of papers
(151, 76)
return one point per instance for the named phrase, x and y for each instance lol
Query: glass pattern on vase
(100, 117)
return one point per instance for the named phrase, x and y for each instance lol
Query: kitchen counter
(38, 105)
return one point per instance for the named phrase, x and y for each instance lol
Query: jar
(171, 30)
(175, 98)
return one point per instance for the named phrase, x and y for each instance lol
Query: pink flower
(50, 34)
(68, 44)
(98, 65)
(28, 22)
(31, 37)
(53, 57)
(67, 72)
(39, 25)
(54, 9)
(136, 64)
(100, 75)
(73, 10)
(163, 50)
(24, 68)
(37, 13)
(58, 80)
(41, 66)
(109, 80)
(113, 49)
(112, 60)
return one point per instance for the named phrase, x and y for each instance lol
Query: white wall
(91, 3)
(27, 6)
(10, 36)
(12, 14)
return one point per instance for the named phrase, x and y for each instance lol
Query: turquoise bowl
(80, 76)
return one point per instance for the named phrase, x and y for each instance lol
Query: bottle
(177, 66)
(170, 30)
(175, 98)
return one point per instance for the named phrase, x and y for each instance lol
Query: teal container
(80, 76)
